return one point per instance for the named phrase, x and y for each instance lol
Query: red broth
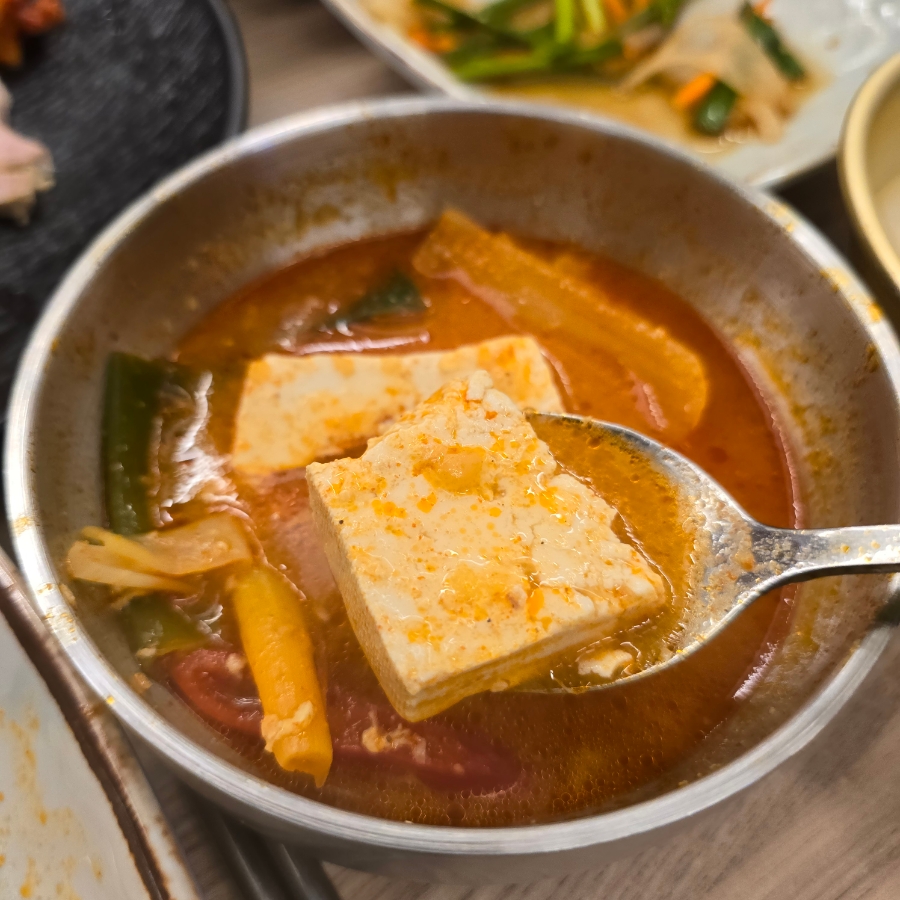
(497, 758)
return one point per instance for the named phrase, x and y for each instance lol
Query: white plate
(77, 817)
(847, 39)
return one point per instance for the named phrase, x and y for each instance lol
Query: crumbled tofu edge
(429, 700)
(361, 620)
(530, 661)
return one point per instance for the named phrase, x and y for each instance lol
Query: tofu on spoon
(465, 557)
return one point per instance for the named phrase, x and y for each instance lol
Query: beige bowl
(870, 169)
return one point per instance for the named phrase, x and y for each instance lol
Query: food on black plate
(20, 19)
(26, 167)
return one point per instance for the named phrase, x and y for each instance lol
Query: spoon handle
(798, 555)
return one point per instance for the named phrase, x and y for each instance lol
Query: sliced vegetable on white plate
(759, 90)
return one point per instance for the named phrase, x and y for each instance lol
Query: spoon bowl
(728, 559)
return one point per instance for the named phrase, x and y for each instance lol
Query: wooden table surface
(824, 826)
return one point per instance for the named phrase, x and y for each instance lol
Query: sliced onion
(721, 46)
(90, 562)
(149, 561)
(210, 543)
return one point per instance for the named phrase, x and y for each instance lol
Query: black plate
(123, 93)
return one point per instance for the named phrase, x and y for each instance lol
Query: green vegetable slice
(130, 405)
(154, 623)
(494, 50)
(398, 296)
(765, 34)
(594, 15)
(138, 394)
(493, 22)
(546, 57)
(499, 13)
(564, 21)
(505, 64)
(712, 115)
(592, 56)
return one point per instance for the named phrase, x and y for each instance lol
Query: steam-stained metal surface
(796, 316)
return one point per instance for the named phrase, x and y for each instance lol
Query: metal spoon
(731, 559)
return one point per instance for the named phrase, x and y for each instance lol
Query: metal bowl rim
(290, 809)
(854, 173)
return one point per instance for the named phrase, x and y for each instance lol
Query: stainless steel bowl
(819, 350)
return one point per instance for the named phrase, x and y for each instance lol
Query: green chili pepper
(542, 36)
(592, 56)
(764, 33)
(564, 21)
(712, 115)
(500, 12)
(154, 622)
(398, 296)
(505, 64)
(138, 392)
(131, 401)
(459, 18)
(490, 53)
(544, 58)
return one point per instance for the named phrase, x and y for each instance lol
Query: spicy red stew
(208, 620)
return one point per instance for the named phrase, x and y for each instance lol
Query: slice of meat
(441, 756)
(215, 687)
(26, 167)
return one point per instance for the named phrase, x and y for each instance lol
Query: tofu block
(295, 409)
(465, 557)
